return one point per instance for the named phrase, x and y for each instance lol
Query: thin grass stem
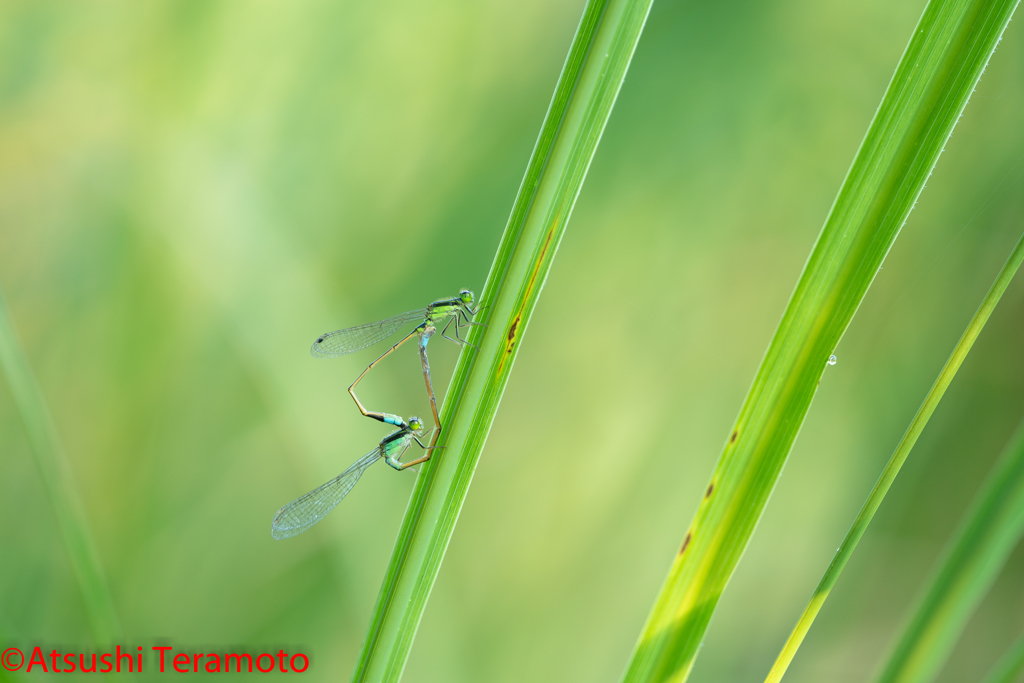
(986, 536)
(58, 480)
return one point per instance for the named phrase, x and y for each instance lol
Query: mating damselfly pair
(305, 511)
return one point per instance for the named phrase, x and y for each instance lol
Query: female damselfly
(305, 511)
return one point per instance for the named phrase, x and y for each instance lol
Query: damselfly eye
(466, 296)
(415, 424)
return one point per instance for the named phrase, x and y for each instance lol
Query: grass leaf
(1010, 665)
(59, 483)
(943, 61)
(987, 535)
(584, 96)
(917, 425)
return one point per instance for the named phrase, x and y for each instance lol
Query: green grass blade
(1010, 665)
(987, 535)
(59, 483)
(941, 65)
(917, 425)
(584, 95)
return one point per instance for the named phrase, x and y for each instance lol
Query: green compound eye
(466, 296)
(415, 424)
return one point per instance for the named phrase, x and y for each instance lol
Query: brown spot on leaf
(686, 542)
(711, 487)
(732, 439)
(512, 330)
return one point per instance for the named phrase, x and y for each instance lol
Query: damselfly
(342, 342)
(302, 513)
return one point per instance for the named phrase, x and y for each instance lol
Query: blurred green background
(192, 191)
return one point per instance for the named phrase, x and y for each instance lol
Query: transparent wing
(304, 512)
(341, 342)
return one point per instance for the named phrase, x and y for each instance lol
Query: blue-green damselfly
(457, 309)
(305, 511)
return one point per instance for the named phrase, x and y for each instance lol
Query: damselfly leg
(341, 342)
(383, 417)
(397, 461)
